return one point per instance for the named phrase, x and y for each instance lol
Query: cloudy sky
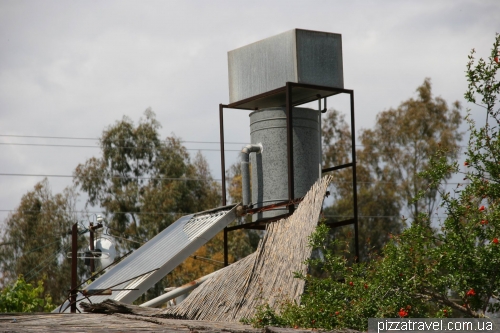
(71, 68)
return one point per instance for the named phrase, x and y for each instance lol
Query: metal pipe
(74, 250)
(222, 157)
(226, 249)
(289, 144)
(354, 180)
(223, 175)
(320, 146)
(245, 170)
(177, 291)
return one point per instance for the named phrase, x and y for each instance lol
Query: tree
(378, 204)
(144, 184)
(36, 240)
(392, 155)
(449, 272)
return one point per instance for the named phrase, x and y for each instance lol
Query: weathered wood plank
(100, 323)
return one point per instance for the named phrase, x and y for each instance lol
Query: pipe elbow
(245, 172)
(252, 148)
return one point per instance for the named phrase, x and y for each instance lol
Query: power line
(179, 179)
(81, 146)
(76, 138)
(95, 146)
(82, 138)
(100, 212)
(112, 177)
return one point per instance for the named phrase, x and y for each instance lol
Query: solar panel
(159, 256)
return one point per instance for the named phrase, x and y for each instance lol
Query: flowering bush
(450, 272)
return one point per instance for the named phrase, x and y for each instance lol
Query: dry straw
(267, 275)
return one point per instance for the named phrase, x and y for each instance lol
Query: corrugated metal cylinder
(270, 167)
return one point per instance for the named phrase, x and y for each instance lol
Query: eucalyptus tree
(36, 241)
(389, 158)
(144, 183)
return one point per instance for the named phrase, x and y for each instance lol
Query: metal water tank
(270, 167)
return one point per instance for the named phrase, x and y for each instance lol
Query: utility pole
(74, 250)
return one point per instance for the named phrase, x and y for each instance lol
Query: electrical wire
(112, 177)
(80, 138)
(99, 212)
(179, 179)
(31, 275)
(76, 138)
(40, 247)
(107, 233)
(119, 147)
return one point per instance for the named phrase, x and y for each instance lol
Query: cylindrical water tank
(270, 167)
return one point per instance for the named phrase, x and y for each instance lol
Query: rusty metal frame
(289, 104)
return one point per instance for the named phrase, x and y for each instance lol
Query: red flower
(466, 163)
(471, 292)
(402, 313)
(351, 283)
(337, 313)
(481, 208)
(484, 222)
(495, 240)
(496, 59)
(366, 286)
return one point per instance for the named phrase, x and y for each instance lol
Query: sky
(70, 69)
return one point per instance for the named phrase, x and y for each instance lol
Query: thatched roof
(267, 275)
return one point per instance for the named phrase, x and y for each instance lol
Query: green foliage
(24, 297)
(145, 183)
(351, 294)
(392, 155)
(450, 272)
(36, 240)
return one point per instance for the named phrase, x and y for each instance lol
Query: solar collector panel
(156, 258)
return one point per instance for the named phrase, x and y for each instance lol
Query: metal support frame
(287, 90)
(74, 261)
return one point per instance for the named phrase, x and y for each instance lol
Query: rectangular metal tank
(300, 56)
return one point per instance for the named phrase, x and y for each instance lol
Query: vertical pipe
(320, 166)
(74, 254)
(289, 144)
(226, 253)
(223, 173)
(222, 156)
(354, 180)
